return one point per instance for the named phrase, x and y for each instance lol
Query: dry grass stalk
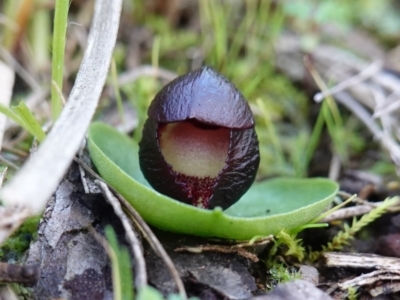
(42, 173)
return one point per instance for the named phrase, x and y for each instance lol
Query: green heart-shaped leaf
(267, 208)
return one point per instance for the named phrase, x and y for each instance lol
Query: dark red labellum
(198, 144)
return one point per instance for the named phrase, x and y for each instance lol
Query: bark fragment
(73, 264)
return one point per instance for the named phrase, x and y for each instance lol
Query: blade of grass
(60, 29)
(296, 158)
(272, 133)
(121, 267)
(214, 27)
(24, 117)
(240, 37)
(331, 113)
(333, 209)
(29, 120)
(40, 34)
(10, 12)
(218, 18)
(277, 19)
(114, 79)
(12, 115)
(315, 136)
(155, 52)
(149, 293)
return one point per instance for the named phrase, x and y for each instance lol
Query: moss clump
(15, 246)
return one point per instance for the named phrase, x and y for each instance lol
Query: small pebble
(295, 290)
(309, 273)
(389, 245)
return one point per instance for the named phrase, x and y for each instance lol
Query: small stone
(309, 273)
(295, 290)
(389, 245)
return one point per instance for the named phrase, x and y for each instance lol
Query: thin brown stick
(220, 249)
(11, 273)
(155, 244)
(348, 212)
(385, 289)
(363, 207)
(134, 74)
(9, 163)
(238, 248)
(15, 151)
(356, 199)
(140, 264)
(370, 278)
(368, 72)
(358, 110)
(146, 231)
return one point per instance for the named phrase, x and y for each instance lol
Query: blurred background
(278, 53)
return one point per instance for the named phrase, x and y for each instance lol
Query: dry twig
(221, 249)
(359, 84)
(155, 244)
(370, 278)
(361, 260)
(11, 273)
(147, 233)
(358, 210)
(386, 288)
(134, 74)
(368, 72)
(387, 269)
(235, 248)
(140, 265)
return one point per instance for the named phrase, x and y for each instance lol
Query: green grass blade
(23, 117)
(9, 11)
(155, 52)
(149, 293)
(121, 268)
(315, 136)
(272, 133)
(29, 121)
(214, 26)
(218, 18)
(60, 28)
(41, 33)
(5, 110)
